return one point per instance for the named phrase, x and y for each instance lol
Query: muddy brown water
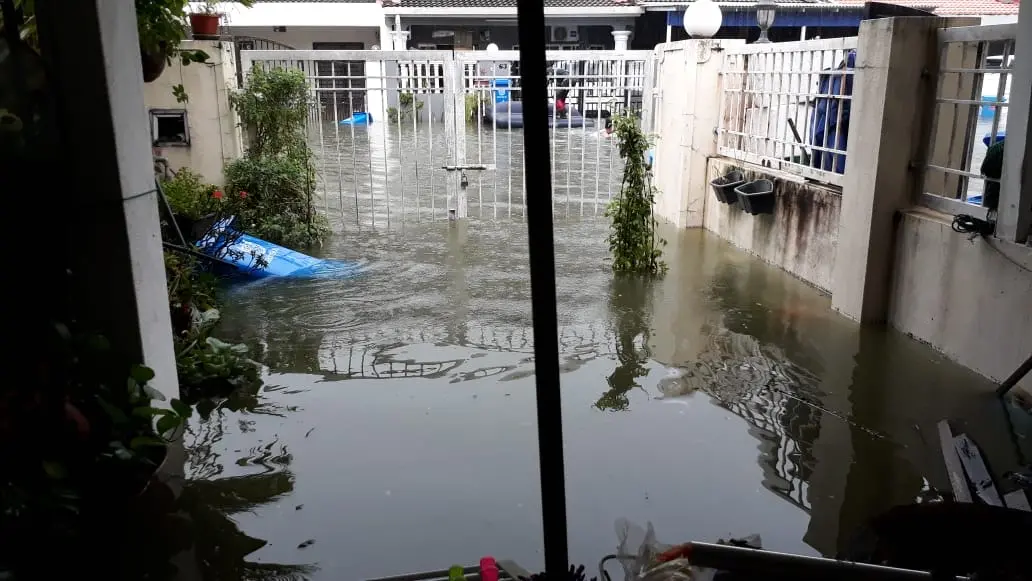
(396, 429)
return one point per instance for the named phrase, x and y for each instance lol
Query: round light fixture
(702, 19)
(492, 47)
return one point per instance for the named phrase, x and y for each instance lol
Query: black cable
(966, 224)
(533, 82)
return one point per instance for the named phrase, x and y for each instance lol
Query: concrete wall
(302, 37)
(800, 236)
(964, 297)
(215, 135)
(686, 113)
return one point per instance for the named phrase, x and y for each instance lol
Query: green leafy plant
(408, 106)
(474, 101)
(80, 434)
(189, 196)
(632, 239)
(207, 367)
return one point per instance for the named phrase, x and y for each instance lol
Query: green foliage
(277, 205)
(473, 103)
(207, 367)
(274, 108)
(632, 239)
(408, 106)
(189, 196)
(81, 431)
(274, 183)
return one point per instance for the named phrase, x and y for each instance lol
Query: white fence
(786, 106)
(433, 152)
(972, 90)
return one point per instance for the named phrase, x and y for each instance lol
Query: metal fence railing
(972, 90)
(786, 106)
(446, 133)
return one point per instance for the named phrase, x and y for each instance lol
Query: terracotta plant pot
(153, 62)
(204, 24)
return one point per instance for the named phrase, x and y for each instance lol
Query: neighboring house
(309, 24)
(990, 11)
(474, 24)
(795, 20)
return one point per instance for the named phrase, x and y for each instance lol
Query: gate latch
(463, 180)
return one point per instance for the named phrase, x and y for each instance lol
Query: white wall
(962, 296)
(685, 113)
(215, 135)
(302, 37)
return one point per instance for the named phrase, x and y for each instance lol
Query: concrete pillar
(107, 181)
(887, 134)
(690, 85)
(621, 38)
(399, 39)
(1015, 211)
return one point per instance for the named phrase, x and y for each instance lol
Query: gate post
(455, 135)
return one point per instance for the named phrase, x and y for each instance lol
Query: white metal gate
(431, 151)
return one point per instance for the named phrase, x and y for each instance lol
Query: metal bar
(1001, 90)
(954, 470)
(771, 564)
(1015, 377)
(960, 172)
(951, 206)
(991, 32)
(415, 164)
(533, 81)
(800, 170)
(336, 139)
(846, 43)
(970, 102)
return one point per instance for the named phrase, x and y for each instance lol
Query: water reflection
(404, 400)
(214, 494)
(630, 304)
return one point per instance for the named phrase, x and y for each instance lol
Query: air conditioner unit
(564, 34)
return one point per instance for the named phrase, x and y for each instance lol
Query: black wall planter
(724, 186)
(757, 197)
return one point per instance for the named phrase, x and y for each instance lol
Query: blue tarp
(827, 129)
(244, 252)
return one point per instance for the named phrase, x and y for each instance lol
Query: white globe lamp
(492, 48)
(702, 19)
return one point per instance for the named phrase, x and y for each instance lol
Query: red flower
(243, 194)
(217, 194)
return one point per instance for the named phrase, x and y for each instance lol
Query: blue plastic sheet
(826, 130)
(245, 253)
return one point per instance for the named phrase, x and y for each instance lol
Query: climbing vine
(632, 239)
(277, 174)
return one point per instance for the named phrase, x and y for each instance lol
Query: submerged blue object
(510, 115)
(358, 118)
(243, 254)
(1000, 136)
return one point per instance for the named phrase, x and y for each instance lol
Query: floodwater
(396, 429)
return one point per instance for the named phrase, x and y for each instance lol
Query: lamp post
(702, 19)
(765, 10)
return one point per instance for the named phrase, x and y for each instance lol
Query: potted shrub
(194, 204)
(205, 20)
